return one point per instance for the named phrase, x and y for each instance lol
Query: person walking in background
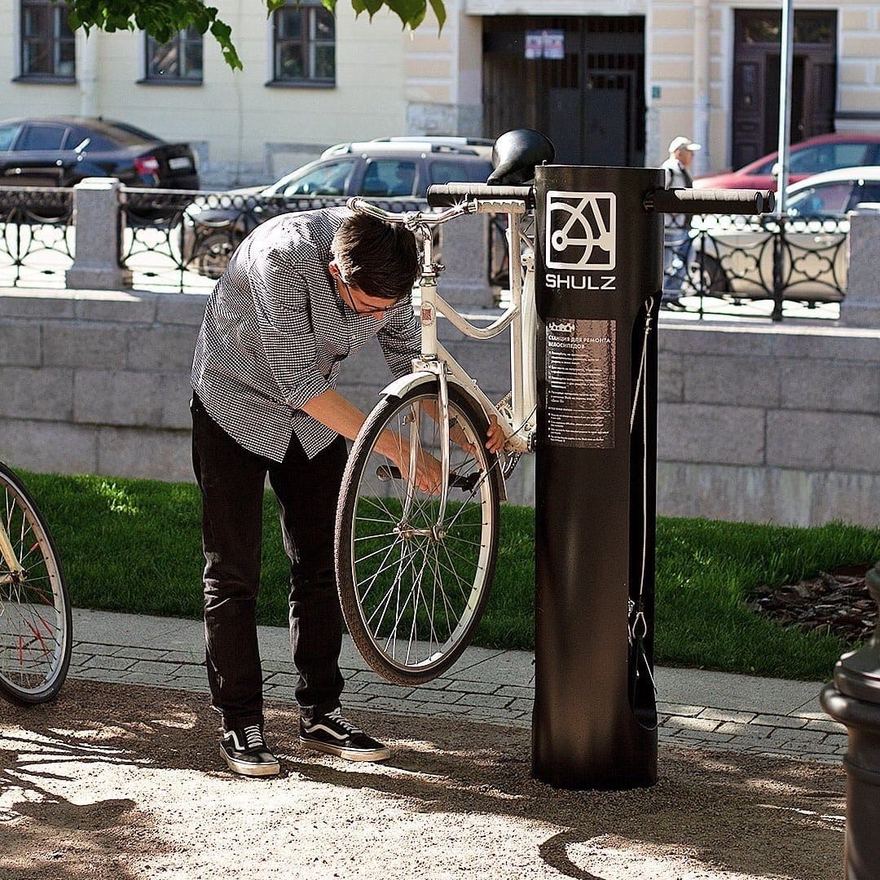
(676, 239)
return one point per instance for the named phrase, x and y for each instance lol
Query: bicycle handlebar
(450, 194)
(467, 198)
(710, 201)
(410, 219)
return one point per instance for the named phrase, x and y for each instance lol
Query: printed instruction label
(580, 372)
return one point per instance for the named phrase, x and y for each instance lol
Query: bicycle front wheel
(35, 616)
(413, 585)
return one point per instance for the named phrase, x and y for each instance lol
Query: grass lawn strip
(135, 545)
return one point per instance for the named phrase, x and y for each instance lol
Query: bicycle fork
(415, 442)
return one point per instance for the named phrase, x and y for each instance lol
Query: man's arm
(336, 412)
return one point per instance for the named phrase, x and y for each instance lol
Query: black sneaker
(336, 735)
(246, 752)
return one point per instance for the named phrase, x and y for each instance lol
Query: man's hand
(428, 476)
(494, 437)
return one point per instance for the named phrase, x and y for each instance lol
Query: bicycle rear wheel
(412, 587)
(35, 617)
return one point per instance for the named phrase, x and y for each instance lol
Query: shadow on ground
(712, 814)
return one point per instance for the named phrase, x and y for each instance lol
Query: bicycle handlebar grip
(450, 194)
(711, 201)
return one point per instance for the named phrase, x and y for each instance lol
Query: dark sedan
(60, 151)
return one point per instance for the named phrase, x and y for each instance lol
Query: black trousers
(231, 480)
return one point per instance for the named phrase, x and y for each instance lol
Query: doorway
(578, 79)
(756, 69)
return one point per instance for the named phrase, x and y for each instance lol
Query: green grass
(135, 545)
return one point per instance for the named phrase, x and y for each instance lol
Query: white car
(734, 256)
(481, 147)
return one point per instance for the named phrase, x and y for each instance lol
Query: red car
(825, 152)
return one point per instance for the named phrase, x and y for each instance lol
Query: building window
(178, 60)
(47, 42)
(304, 42)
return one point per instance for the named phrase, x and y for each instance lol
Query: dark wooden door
(591, 103)
(755, 122)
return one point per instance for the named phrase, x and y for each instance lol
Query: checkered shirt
(275, 332)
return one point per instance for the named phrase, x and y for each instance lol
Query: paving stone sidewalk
(698, 708)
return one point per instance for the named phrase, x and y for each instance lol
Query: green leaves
(371, 7)
(163, 18)
(439, 11)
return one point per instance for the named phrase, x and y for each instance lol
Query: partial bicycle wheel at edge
(412, 588)
(35, 616)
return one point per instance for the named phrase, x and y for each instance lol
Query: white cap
(683, 143)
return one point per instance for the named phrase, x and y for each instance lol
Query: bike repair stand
(599, 275)
(598, 283)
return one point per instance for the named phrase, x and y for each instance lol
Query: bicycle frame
(519, 318)
(436, 361)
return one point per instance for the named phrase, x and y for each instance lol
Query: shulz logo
(581, 230)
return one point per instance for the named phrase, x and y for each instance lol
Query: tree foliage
(163, 18)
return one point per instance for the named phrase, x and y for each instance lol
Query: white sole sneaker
(246, 768)
(382, 754)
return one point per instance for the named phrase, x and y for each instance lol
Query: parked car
(825, 152)
(734, 256)
(60, 151)
(375, 169)
(481, 146)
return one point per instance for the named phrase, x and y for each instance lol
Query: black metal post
(599, 262)
(778, 269)
(854, 700)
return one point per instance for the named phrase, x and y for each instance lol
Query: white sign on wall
(545, 44)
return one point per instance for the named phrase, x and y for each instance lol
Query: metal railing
(763, 266)
(757, 266)
(37, 236)
(182, 240)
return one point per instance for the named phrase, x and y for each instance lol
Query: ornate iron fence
(731, 265)
(182, 240)
(767, 266)
(36, 236)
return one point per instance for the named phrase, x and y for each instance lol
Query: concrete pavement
(698, 707)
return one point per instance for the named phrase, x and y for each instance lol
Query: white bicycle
(414, 568)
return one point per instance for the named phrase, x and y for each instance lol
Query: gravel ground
(124, 782)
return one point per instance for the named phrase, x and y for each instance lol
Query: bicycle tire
(490, 484)
(15, 497)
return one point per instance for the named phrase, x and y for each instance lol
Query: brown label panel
(580, 371)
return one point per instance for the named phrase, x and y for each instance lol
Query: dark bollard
(599, 277)
(854, 700)
(600, 266)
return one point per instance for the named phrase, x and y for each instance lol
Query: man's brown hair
(380, 258)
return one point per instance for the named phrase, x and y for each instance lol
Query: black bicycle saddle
(515, 155)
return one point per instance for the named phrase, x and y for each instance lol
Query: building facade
(610, 83)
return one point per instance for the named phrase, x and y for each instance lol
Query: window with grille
(47, 42)
(178, 60)
(304, 43)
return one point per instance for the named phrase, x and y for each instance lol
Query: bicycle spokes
(418, 567)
